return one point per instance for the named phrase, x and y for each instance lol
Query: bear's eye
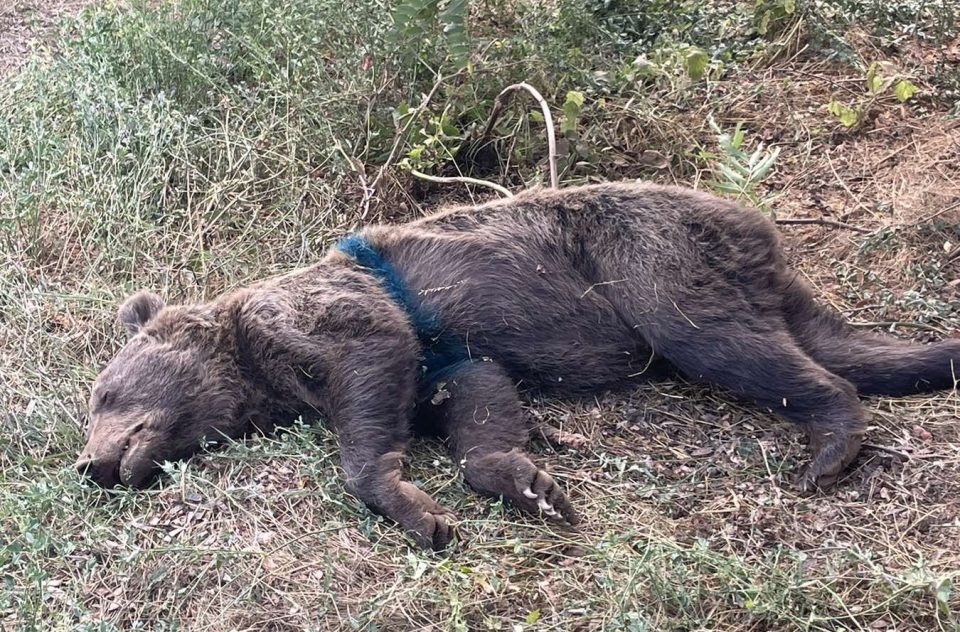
(103, 398)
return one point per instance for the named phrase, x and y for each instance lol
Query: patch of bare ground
(23, 23)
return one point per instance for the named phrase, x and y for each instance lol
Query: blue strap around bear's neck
(359, 248)
(443, 352)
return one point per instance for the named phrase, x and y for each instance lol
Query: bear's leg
(875, 364)
(482, 417)
(762, 362)
(374, 400)
(376, 480)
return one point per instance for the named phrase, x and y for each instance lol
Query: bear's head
(173, 385)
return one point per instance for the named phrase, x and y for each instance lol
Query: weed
(737, 172)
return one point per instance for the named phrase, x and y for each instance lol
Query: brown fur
(574, 291)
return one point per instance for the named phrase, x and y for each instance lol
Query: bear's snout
(112, 458)
(102, 471)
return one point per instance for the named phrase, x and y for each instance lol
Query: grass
(193, 146)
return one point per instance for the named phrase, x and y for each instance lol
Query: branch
(822, 222)
(464, 179)
(897, 323)
(371, 190)
(501, 102)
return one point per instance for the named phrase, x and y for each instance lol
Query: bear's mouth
(135, 467)
(125, 459)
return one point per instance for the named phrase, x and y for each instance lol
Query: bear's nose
(103, 472)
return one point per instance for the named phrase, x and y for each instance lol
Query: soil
(27, 23)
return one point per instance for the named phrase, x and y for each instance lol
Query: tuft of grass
(195, 145)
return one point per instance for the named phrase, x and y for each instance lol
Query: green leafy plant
(571, 110)
(737, 171)
(433, 143)
(415, 19)
(883, 79)
(773, 16)
(845, 115)
(882, 76)
(695, 63)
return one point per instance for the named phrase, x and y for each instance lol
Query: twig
(371, 190)
(464, 179)
(501, 102)
(883, 448)
(934, 216)
(843, 184)
(898, 323)
(822, 222)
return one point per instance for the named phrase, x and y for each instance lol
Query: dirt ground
(25, 23)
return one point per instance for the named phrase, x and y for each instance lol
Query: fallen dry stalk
(501, 102)
(504, 191)
(821, 222)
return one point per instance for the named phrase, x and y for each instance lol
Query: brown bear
(570, 292)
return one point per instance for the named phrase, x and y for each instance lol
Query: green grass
(193, 146)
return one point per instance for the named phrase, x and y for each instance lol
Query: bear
(569, 292)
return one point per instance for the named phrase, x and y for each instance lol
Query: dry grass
(690, 519)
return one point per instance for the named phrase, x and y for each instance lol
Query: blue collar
(444, 353)
(359, 248)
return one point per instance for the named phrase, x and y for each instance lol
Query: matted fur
(574, 291)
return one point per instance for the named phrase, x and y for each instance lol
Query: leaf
(760, 170)
(880, 76)
(847, 116)
(571, 110)
(408, 10)
(727, 187)
(731, 146)
(904, 90)
(731, 175)
(763, 26)
(532, 617)
(713, 124)
(643, 66)
(738, 136)
(575, 97)
(874, 79)
(453, 19)
(695, 63)
(942, 595)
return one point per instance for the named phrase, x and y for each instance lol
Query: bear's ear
(137, 311)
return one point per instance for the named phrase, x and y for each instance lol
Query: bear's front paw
(549, 498)
(427, 520)
(513, 475)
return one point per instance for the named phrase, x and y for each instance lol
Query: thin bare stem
(500, 103)
(465, 180)
(371, 190)
(822, 222)
(897, 323)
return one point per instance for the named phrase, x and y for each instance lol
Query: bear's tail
(875, 364)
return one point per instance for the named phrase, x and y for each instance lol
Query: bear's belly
(576, 365)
